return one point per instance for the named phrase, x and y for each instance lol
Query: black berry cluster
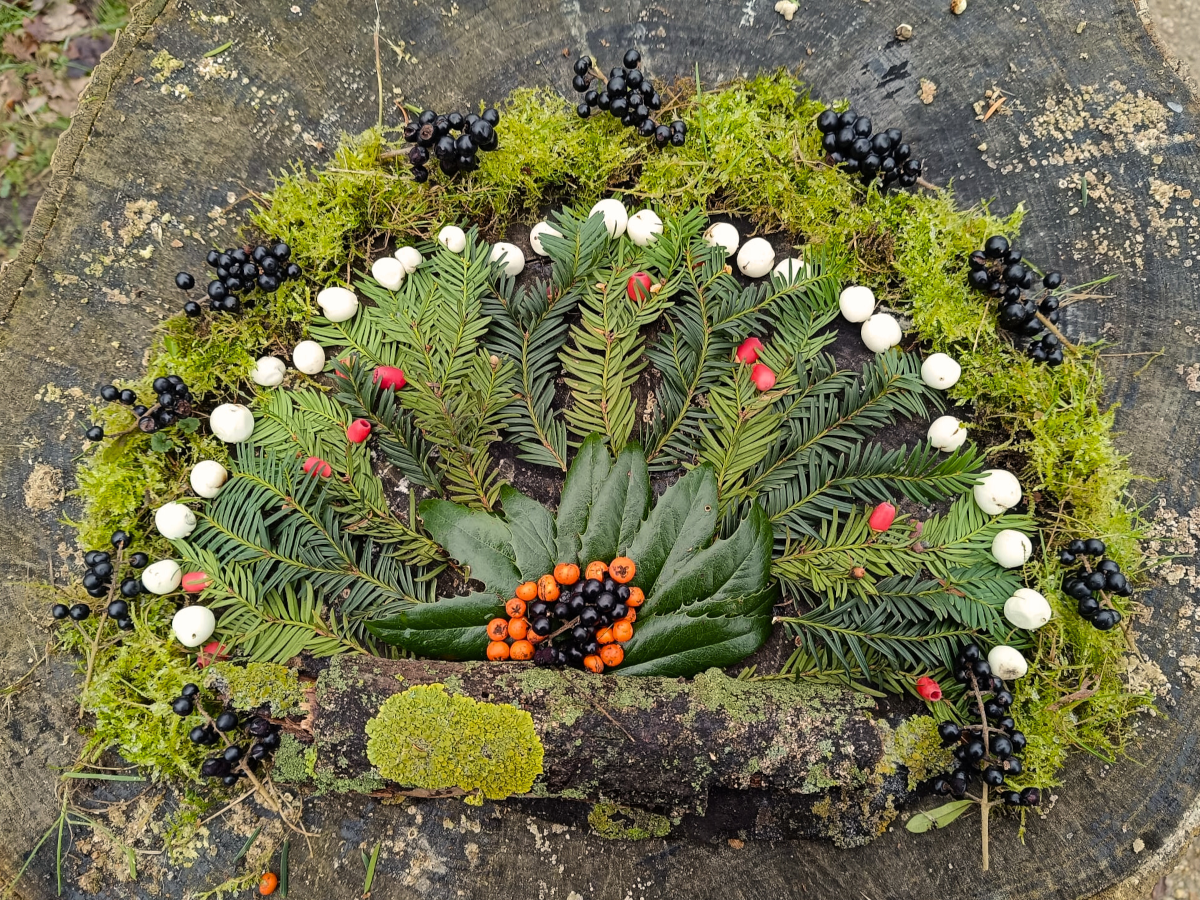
(990, 750)
(627, 94)
(432, 137)
(240, 755)
(172, 401)
(1091, 586)
(999, 269)
(850, 143)
(591, 604)
(238, 271)
(98, 579)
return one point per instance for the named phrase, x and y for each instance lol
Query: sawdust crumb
(43, 487)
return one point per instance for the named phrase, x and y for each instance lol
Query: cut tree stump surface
(158, 165)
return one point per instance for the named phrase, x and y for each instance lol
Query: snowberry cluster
(999, 269)
(850, 143)
(1092, 586)
(238, 758)
(627, 95)
(173, 401)
(239, 270)
(989, 750)
(582, 620)
(102, 570)
(432, 136)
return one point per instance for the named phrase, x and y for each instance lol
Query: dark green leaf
(476, 539)
(618, 510)
(731, 568)
(190, 425)
(160, 443)
(451, 628)
(940, 817)
(583, 482)
(681, 523)
(532, 529)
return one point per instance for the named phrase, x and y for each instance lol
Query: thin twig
(228, 806)
(608, 716)
(1053, 329)
(984, 806)
(116, 579)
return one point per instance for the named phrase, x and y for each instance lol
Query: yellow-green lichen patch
(627, 823)
(256, 685)
(293, 761)
(430, 739)
(744, 701)
(916, 746)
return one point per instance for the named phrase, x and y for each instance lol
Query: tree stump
(1087, 99)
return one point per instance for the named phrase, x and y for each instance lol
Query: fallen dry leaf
(59, 22)
(19, 46)
(88, 50)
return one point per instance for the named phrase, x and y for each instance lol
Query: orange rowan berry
(521, 650)
(622, 630)
(605, 636)
(596, 571)
(515, 607)
(497, 650)
(622, 570)
(527, 591)
(566, 573)
(268, 883)
(497, 629)
(630, 616)
(594, 663)
(518, 628)
(611, 654)
(533, 637)
(636, 597)
(547, 588)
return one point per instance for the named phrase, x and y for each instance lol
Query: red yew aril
(194, 582)
(882, 517)
(929, 689)
(638, 287)
(358, 431)
(747, 351)
(762, 376)
(315, 466)
(212, 652)
(389, 377)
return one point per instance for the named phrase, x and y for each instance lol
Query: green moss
(427, 738)
(743, 701)
(255, 685)
(626, 823)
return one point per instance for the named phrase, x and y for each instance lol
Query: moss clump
(916, 746)
(626, 823)
(255, 685)
(427, 738)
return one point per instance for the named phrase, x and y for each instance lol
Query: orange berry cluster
(577, 621)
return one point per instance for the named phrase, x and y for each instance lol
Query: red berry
(314, 465)
(747, 352)
(358, 431)
(882, 517)
(211, 653)
(194, 582)
(638, 287)
(762, 376)
(929, 689)
(389, 377)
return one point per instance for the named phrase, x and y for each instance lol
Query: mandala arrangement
(638, 451)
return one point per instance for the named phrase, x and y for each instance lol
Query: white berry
(791, 270)
(308, 357)
(857, 303)
(999, 490)
(193, 625)
(338, 303)
(947, 434)
(453, 239)
(722, 234)
(1007, 662)
(1027, 609)
(268, 371)
(389, 272)
(514, 259)
(756, 258)
(940, 372)
(881, 332)
(644, 227)
(615, 216)
(162, 577)
(232, 423)
(1011, 548)
(535, 237)
(410, 258)
(174, 521)
(208, 477)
